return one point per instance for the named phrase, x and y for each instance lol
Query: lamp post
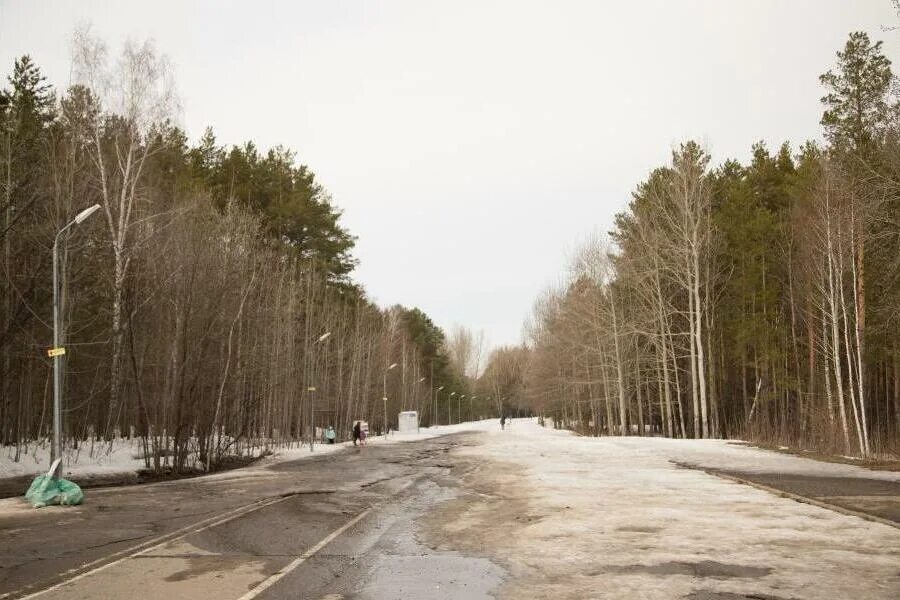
(310, 390)
(434, 401)
(458, 409)
(449, 404)
(57, 352)
(384, 397)
(418, 408)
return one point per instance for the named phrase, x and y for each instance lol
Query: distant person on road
(362, 436)
(330, 434)
(502, 422)
(357, 433)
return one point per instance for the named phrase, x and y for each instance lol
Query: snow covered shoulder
(576, 517)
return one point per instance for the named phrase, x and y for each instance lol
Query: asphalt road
(357, 523)
(874, 497)
(304, 529)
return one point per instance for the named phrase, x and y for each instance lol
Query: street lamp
(384, 398)
(418, 416)
(312, 409)
(434, 400)
(57, 352)
(458, 410)
(449, 404)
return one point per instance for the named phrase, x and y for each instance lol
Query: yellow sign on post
(53, 352)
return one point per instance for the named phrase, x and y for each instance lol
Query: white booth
(408, 422)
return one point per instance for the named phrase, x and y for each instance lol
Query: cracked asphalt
(222, 536)
(525, 513)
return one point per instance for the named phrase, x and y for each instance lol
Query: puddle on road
(407, 568)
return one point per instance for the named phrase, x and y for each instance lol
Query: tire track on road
(115, 558)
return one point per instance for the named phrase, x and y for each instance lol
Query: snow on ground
(734, 456)
(615, 518)
(280, 455)
(576, 517)
(124, 456)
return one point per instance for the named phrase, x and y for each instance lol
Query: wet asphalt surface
(303, 503)
(222, 536)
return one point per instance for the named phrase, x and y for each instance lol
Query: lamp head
(83, 215)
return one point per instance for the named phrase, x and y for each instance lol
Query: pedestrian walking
(357, 433)
(330, 434)
(502, 422)
(362, 436)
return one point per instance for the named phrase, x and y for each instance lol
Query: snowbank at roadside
(124, 457)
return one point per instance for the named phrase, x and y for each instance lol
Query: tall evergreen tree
(857, 102)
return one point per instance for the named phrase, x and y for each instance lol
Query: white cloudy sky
(472, 144)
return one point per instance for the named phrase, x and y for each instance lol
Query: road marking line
(154, 544)
(197, 527)
(286, 570)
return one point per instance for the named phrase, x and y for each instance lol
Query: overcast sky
(471, 145)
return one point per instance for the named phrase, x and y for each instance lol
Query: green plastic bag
(45, 490)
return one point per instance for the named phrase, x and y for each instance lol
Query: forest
(758, 301)
(208, 307)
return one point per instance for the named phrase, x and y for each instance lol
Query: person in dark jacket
(357, 432)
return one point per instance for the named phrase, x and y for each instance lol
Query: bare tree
(136, 95)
